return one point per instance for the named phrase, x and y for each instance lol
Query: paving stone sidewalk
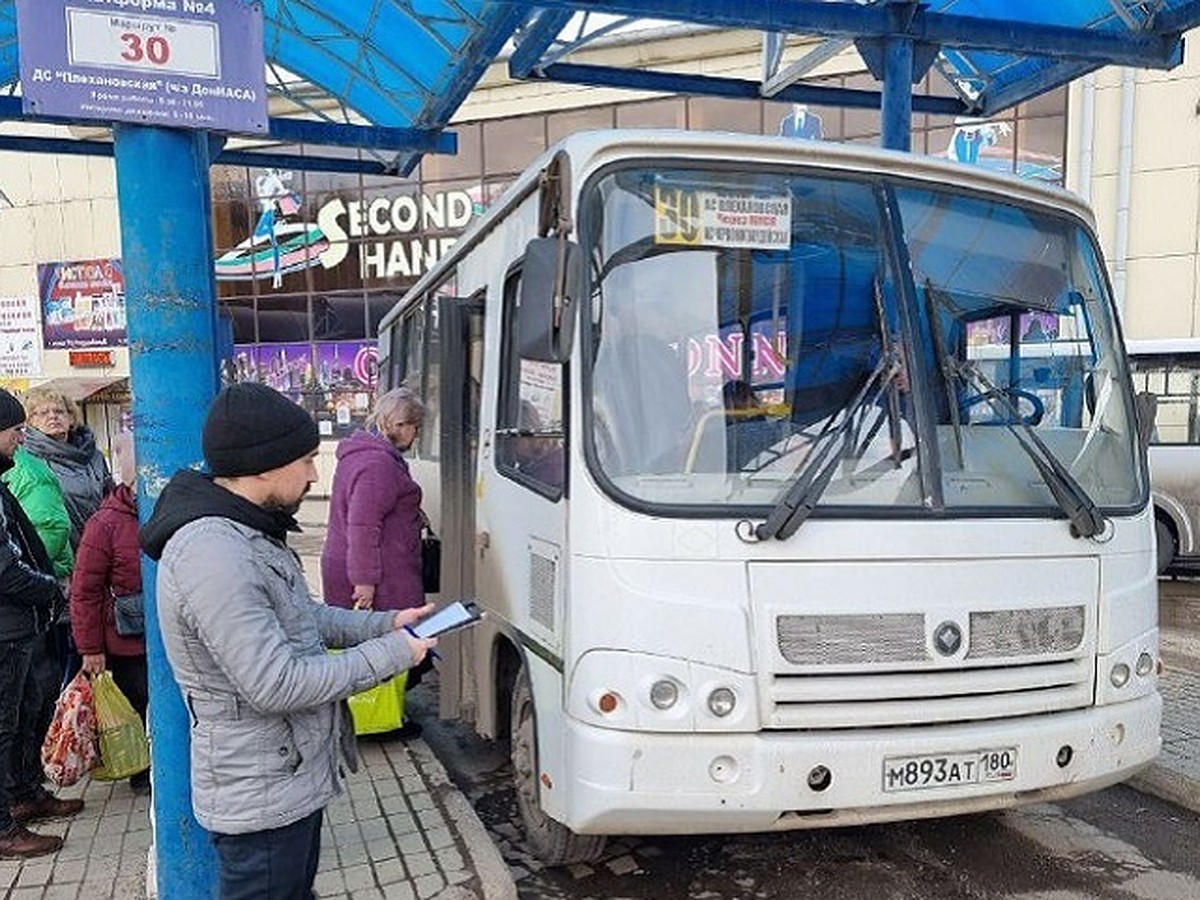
(401, 831)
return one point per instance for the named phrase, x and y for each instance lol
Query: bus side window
(530, 432)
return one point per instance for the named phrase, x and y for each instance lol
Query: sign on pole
(169, 63)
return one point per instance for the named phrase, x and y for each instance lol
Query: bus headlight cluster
(1120, 674)
(721, 702)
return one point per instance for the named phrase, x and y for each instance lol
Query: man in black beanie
(247, 645)
(29, 598)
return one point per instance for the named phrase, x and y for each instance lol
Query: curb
(495, 879)
(1167, 784)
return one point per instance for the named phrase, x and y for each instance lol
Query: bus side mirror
(1145, 406)
(551, 288)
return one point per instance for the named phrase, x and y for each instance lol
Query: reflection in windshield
(741, 320)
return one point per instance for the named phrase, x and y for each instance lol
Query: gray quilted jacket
(248, 647)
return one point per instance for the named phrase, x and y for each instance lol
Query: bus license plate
(914, 773)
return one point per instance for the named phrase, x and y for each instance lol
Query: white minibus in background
(801, 484)
(1170, 370)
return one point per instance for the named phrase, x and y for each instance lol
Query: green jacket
(37, 489)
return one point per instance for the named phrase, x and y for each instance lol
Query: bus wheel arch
(548, 839)
(1166, 539)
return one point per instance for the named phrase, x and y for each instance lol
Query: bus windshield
(852, 342)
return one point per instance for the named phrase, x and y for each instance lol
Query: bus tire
(1166, 545)
(550, 841)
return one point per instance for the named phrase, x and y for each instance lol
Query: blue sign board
(169, 63)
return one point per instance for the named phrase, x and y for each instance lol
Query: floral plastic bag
(381, 708)
(70, 749)
(124, 750)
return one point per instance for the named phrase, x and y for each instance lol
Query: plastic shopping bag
(124, 750)
(70, 749)
(381, 708)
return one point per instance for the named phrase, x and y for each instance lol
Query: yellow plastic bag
(124, 750)
(381, 708)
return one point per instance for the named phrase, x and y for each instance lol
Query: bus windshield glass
(848, 342)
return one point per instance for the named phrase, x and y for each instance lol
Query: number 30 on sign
(145, 43)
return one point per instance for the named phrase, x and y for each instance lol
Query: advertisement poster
(20, 356)
(83, 304)
(334, 381)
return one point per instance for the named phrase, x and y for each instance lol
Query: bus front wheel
(550, 841)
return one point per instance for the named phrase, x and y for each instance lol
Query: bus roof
(1163, 347)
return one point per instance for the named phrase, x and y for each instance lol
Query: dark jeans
(21, 734)
(129, 672)
(279, 864)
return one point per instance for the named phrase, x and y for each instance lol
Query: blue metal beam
(896, 117)
(535, 38)
(1150, 50)
(701, 85)
(307, 131)
(249, 158)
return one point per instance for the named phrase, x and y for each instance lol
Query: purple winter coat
(374, 534)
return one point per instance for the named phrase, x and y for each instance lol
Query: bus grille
(1016, 662)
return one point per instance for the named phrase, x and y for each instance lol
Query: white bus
(782, 513)
(1170, 370)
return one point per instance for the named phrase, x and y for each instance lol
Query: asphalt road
(1115, 844)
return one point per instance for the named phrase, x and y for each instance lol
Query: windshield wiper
(817, 470)
(1085, 517)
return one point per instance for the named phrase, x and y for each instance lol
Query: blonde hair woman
(59, 437)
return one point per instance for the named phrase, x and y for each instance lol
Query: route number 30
(155, 49)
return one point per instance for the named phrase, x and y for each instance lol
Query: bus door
(522, 492)
(459, 394)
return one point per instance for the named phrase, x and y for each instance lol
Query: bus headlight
(721, 702)
(664, 693)
(1145, 663)
(1119, 675)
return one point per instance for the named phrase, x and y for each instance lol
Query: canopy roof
(993, 53)
(410, 63)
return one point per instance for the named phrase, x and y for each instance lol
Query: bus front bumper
(639, 783)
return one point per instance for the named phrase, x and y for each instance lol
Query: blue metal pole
(170, 294)
(897, 93)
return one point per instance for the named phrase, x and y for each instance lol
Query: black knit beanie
(251, 429)
(11, 411)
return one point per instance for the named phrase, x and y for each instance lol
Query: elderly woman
(59, 438)
(372, 553)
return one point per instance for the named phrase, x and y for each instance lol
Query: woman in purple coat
(372, 553)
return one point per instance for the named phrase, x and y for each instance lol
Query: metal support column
(897, 93)
(166, 238)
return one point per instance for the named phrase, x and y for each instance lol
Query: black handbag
(130, 614)
(431, 562)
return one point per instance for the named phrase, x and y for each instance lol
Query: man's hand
(420, 646)
(93, 663)
(363, 596)
(406, 618)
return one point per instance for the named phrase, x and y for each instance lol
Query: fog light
(1064, 756)
(1119, 676)
(1145, 664)
(819, 778)
(664, 693)
(721, 702)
